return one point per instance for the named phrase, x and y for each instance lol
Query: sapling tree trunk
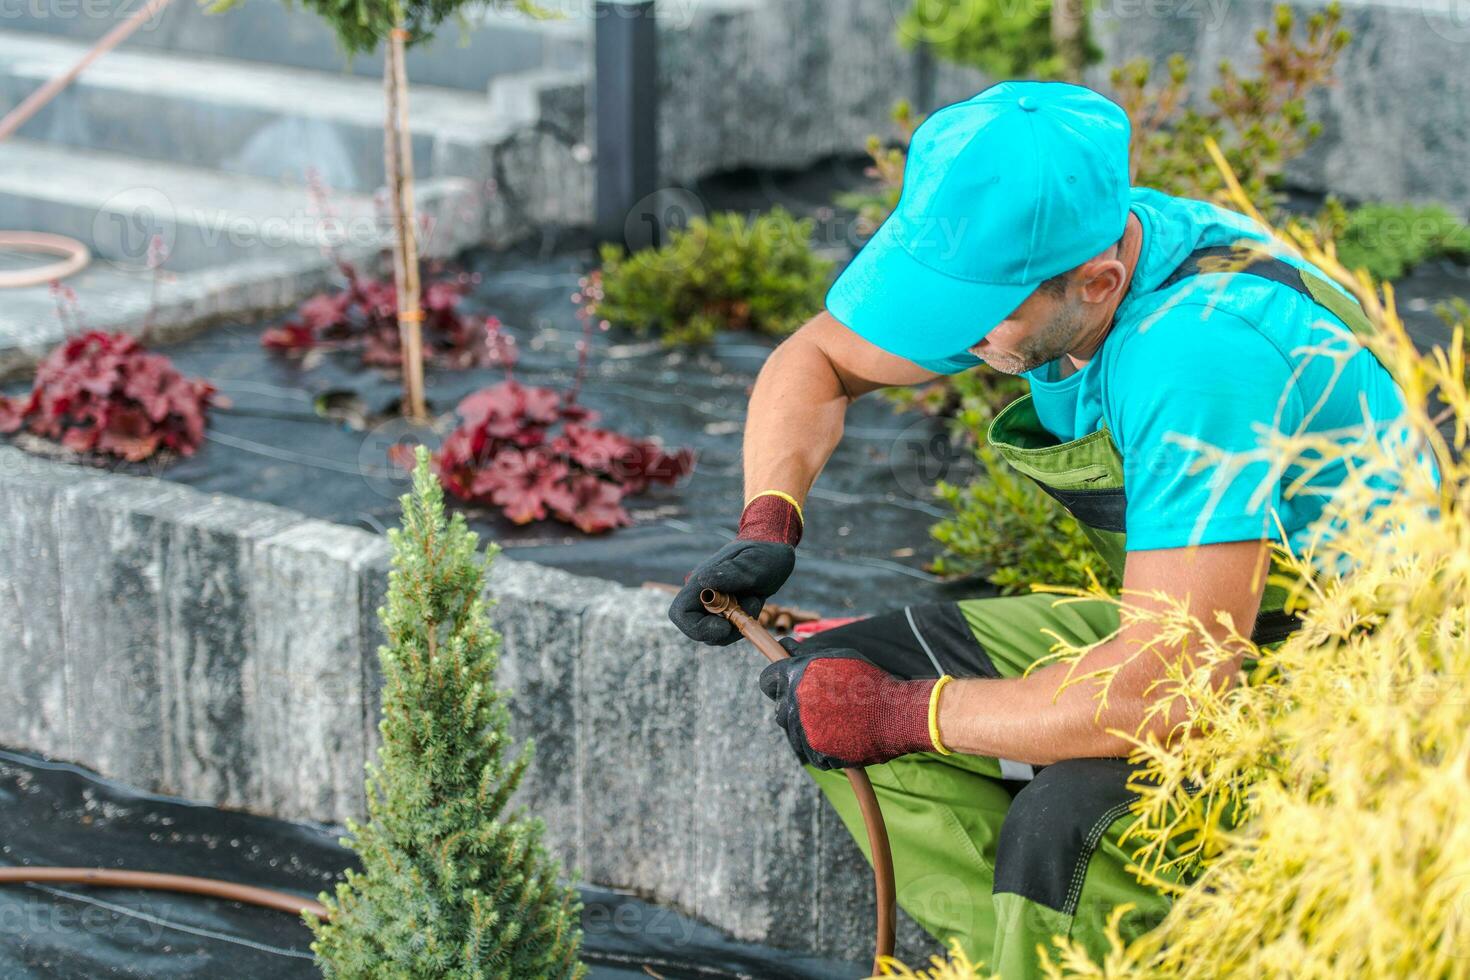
(361, 26)
(451, 886)
(398, 166)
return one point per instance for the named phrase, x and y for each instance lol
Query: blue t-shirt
(1216, 362)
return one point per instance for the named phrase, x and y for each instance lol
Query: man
(1150, 328)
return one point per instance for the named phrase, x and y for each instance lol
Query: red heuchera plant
(364, 316)
(536, 454)
(104, 393)
(505, 454)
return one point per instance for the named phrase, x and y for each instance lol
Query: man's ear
(1100, 279)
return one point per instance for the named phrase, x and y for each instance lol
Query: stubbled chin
(1006, 364)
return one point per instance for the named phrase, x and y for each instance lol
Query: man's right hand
(749, 572)
(749, 569)
(791, 427)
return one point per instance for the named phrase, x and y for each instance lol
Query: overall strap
(1238, 259)
(1246, 260)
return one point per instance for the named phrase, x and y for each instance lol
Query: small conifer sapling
(452, 885)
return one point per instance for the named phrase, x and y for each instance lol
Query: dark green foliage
(1390, 239)
(1002, 38)
(969, 399)
(451, 886)
(1456, 316)
(1006, 528)
(361, 24)
(723, 273)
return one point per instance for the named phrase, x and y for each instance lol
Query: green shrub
(1004, 528)
(1007, 529)
(451, 886)
(1260, 122)
(1002, 38)
(1388, 240)
(723, 273)
(876, 202)
(969, 399)
(1456, 316)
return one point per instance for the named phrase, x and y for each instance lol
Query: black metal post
(626, 109)
(925, 70)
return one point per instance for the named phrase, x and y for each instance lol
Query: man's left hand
(840, 712)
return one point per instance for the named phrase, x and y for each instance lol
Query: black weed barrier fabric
(867, 539)
(57, 814)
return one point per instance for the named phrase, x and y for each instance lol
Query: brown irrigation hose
(106, 878)
(32, 103)
(722, 605)
(717, 603)
(73, 256)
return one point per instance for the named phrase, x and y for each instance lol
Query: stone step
(120, 205)
(248, 118)
(493, 43)
(229, 244)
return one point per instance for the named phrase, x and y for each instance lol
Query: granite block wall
(225, 651)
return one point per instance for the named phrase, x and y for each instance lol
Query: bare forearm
(794, 420)
(1044, 718)
(1089, 709)
(1115, 692)
(800, 400)
(1025, 719)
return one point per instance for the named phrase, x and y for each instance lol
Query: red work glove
(839, 711)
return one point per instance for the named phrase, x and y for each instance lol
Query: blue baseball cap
(1001, 192)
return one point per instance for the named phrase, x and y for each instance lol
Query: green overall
(993, 853)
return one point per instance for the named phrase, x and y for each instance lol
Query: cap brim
(894, 301)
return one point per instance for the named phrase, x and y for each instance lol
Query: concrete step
(247, 118)
(230, 244)
(493, 43)
(118, 205)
